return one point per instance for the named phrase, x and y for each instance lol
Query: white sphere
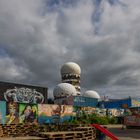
(64, 90)
(70, 68)
(91, 94)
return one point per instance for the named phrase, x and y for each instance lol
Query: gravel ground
(124, 134)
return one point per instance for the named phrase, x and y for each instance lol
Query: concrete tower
(70, 73)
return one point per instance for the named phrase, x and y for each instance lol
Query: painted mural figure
(12, 114)
(28, 114)
(56, 114)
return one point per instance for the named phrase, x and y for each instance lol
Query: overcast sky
(103, 36)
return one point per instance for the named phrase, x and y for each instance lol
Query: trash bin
(102, 136)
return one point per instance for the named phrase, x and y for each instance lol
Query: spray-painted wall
(22, 93)
(135, 102)
(2, 112)
(123, 103)
(54, 113)
(77, 101)
(13, 113)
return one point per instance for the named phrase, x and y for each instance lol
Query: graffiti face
(12, 113)
(24, 95)
(12, 108)
(28, 113)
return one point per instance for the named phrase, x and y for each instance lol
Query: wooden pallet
(19, 130)
(1, 131)
(61, 135)
(87, 132)
(22, 138)
(79, 133)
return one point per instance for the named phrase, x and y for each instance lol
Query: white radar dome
(91, 94)
(70, 68)
(64, 90)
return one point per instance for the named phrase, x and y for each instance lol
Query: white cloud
(38, 39)
(9, 71)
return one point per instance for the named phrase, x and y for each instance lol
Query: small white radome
(91, 94)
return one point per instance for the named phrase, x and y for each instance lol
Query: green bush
(92, 118)
(112, 120)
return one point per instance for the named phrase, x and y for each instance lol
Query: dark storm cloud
(108, 61)
(36, 38)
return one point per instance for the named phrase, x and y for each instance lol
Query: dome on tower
(70, 68)
(91, 94)
(64, 90)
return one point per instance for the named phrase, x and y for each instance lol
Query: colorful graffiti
(48, 113)
(89, 110)
(132, 120)
(135, 103)
(12, 113)
(12, 92)
(23, 95)
(115, 112)
(66, 113)
(28, 113)
(54, 113)
(2, 112)
(78, 111)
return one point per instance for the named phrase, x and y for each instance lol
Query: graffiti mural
(12, 92)
(115, 112)
(2, 112)
(89, 110)
(54, 113)
(135, 102)
(78, 111)
(49, 113)
(12, 113)
(66, 113)
(42, 113)
(23, 95)
(28, 113)
(132, 120)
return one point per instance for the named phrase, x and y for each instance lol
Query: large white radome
(70, 68)
(91, 94)
(64, 90)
